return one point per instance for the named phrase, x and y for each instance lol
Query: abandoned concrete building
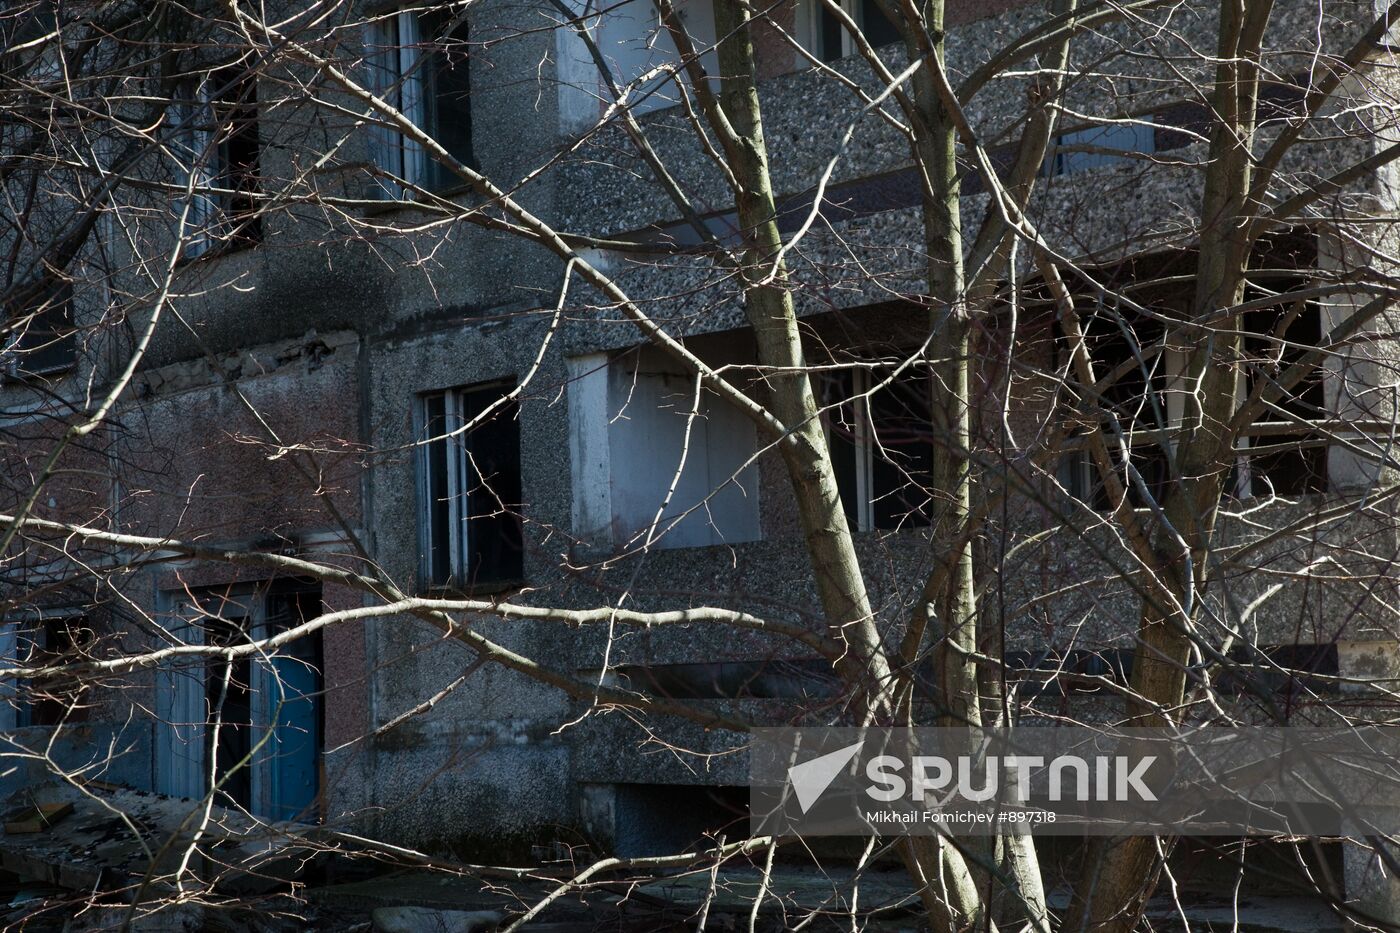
(292, 335)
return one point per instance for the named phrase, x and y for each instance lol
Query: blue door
(296, 740)
(293, 707)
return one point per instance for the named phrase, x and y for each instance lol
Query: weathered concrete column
(1362, 381)
(1370, 886)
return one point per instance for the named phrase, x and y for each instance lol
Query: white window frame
(459, 526)
(461, 572)
(808, 29)
(199, 157)
(395, 57)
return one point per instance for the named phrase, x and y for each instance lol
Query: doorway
(247, 729)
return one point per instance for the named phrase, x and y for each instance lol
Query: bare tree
(1117, 345)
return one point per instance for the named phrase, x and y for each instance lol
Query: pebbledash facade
(354, 350)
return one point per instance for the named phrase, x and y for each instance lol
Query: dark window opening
(239, 149)
(882, 445)
(296, 707)
(1061, 673)
(1276, 338)
(801, 679)
(1129, 410)
(228, 732)
(831, 38)
(53, 641)
(263, 715)
(878, 28)
(469, 474)
(25, 23)
(41, 340)
(902, 454)
(447, 93)
(214, 127)
(657, 819)
(492, 465)
(419, 63)
(1287, 672)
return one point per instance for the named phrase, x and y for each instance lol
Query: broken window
(880, 430)
(824, 35)
(1293, 458)
(41, 340)
(215, 126)
(1130, 410)
(1095, 147)
(1144, 400)
(656, 463)
(46, 641)
(469, 487)
(418, 64)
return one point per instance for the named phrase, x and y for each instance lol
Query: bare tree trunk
(1120, 875)
(954, 608)
(769, 309)
(946, 884)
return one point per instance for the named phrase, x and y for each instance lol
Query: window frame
(400, 65)
(47, 711)
(811, 31)
(1160, 368)
(1079, 475)
(857, 409)
(197, 157)
(864, 439)
(395, 39)
(1136, 136)
(461, 574)
(206, 125)
(50, 332)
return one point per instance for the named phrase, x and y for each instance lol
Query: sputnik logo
(811, 778)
